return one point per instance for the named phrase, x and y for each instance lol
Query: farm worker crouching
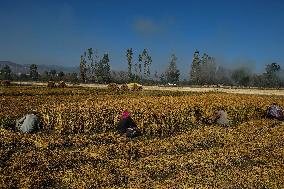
(29, 123)
(221, 118)
(275, 112)
(127, 126)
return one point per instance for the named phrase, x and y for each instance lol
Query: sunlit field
(80, 148)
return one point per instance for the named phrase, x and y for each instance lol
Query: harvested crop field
(79, 147)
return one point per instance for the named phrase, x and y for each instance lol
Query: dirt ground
(226, 90)
(278, 92)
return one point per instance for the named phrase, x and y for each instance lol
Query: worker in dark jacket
(126, 125)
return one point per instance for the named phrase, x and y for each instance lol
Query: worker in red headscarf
(126, 125)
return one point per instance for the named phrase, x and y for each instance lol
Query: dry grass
(79, 147)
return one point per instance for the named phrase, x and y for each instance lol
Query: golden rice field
(79, 147)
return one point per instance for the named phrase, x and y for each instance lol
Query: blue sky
(235, 32)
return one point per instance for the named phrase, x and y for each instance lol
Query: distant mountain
(25, 69)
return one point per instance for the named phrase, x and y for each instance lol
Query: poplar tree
(195, 69)
(172, 73)
(129, 60)
(83, 69)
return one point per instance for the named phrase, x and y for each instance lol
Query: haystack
(135, 86)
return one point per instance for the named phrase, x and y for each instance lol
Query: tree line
(203, 71)
(33, 75)
(94, 69)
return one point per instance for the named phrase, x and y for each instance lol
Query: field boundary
(252, 91)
